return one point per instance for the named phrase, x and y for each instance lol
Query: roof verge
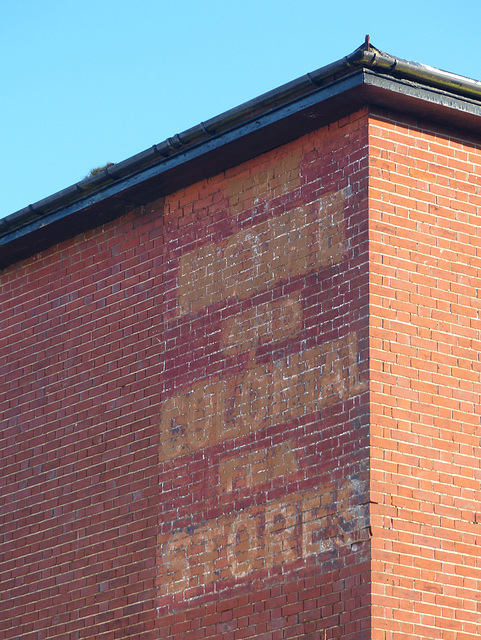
(366, 76)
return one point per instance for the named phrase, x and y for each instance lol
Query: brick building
(240, 375)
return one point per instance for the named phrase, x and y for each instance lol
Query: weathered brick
(185, 399)
(251, 259)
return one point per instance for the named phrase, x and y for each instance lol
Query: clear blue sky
(84, 83)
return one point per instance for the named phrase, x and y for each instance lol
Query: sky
(84, 83)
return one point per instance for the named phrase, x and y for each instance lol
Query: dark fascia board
(366, 77)
(429, 104)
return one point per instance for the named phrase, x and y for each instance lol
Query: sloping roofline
(367, 76)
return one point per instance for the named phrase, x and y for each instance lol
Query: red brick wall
(425, 267)
(185, 452)
(79, 444)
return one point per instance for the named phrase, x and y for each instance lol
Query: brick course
(185, 451)
(425, 351)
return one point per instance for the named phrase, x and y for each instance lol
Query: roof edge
(364, 57)
(368, 56)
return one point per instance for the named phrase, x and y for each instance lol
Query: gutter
(189, 137)
(99, 187)
(376, 60)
